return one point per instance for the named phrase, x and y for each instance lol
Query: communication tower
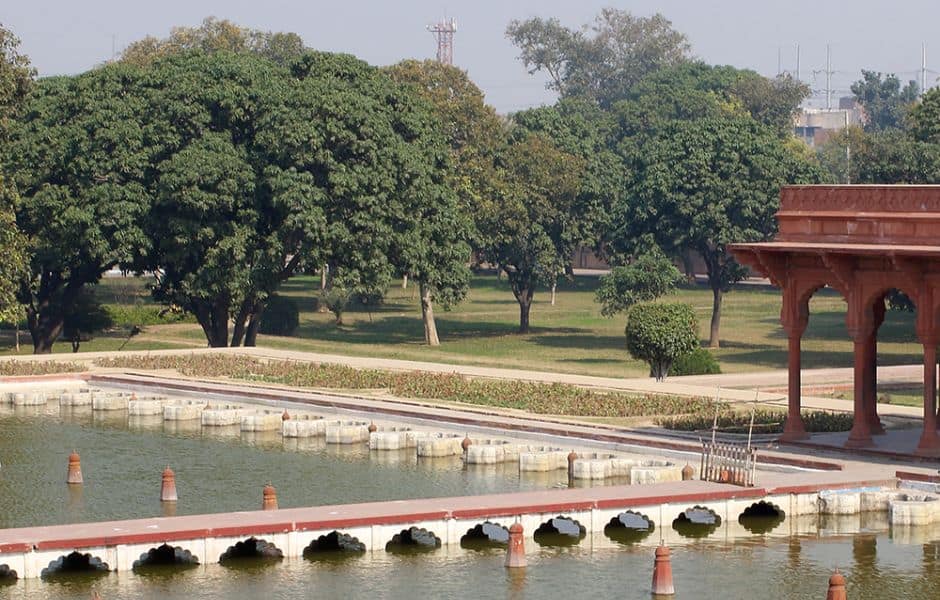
(443, 32)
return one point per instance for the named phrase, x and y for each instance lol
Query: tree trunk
(427, 315)
(554, 285)
(323, 282)
(214, 322)
(238, 330)
(717, 296)
(44, 330)
(17, 337)
(404, 281)
(251, 334)
(525, 304)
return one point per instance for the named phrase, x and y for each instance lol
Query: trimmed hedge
(659, 333)
(697, 362)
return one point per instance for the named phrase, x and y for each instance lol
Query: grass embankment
(672, 412)
(570, 337)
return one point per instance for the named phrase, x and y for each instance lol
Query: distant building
(815, 125)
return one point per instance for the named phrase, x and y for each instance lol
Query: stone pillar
(871, 376)
(861, 328)
(929, 444)
(794, 317)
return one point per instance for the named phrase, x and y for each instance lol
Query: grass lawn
(905, 395)
(571, 336)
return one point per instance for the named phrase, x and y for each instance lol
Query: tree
(603, 66)
(16, 78)
(581, 128)
(225, 230)
(660, 333)
(924, 118)
(474, 134)
(695, 90)
(269, 171)
(645, 279)
(83, 318)
(885, 102)
(527, 222)
(216, 35)
(80, 157)
(703, 184)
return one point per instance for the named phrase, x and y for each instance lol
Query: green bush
(647, 278)
(141, 315)
(660, 333)
(697, 362)
(765, 421)
(280, 317)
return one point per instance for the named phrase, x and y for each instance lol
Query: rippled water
(224, 471)
(778, 568)
(217, 469)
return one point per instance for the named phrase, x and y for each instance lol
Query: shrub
(697, 362)
(335, 299)
(765, 421)
(647, 278)
(280, 317)
(661, 333)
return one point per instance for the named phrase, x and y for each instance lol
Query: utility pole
(828, 78)
(923, 69)
(848, 151)
(443, 32)
(798, 62)
(778, 61)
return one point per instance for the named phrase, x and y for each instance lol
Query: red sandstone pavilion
(863, 241)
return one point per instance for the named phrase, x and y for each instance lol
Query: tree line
(226, 160)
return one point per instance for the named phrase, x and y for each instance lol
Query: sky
(66, 37)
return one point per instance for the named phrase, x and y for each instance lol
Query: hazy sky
(72, 36)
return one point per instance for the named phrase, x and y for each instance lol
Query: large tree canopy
(216, 35)
(529, 225)
(81, 158)
(602, 61)
(438, 260)
(270, 170)
(703, 184)
(15, 81)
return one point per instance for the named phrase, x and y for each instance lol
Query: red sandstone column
(929, 444)
(871, 396)
(871, 384)
(860, 436)
(794, 428)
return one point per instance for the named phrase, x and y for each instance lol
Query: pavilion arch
(75, 562)
(696, 522)
(164, 555)
(413, 539)
(863, 240)
(484, 536)
(559, 531)
(251, 548)
(7, 575)
(334, 544)
(761, 517)
(629, 527)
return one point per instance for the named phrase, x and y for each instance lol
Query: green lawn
(571, 336)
